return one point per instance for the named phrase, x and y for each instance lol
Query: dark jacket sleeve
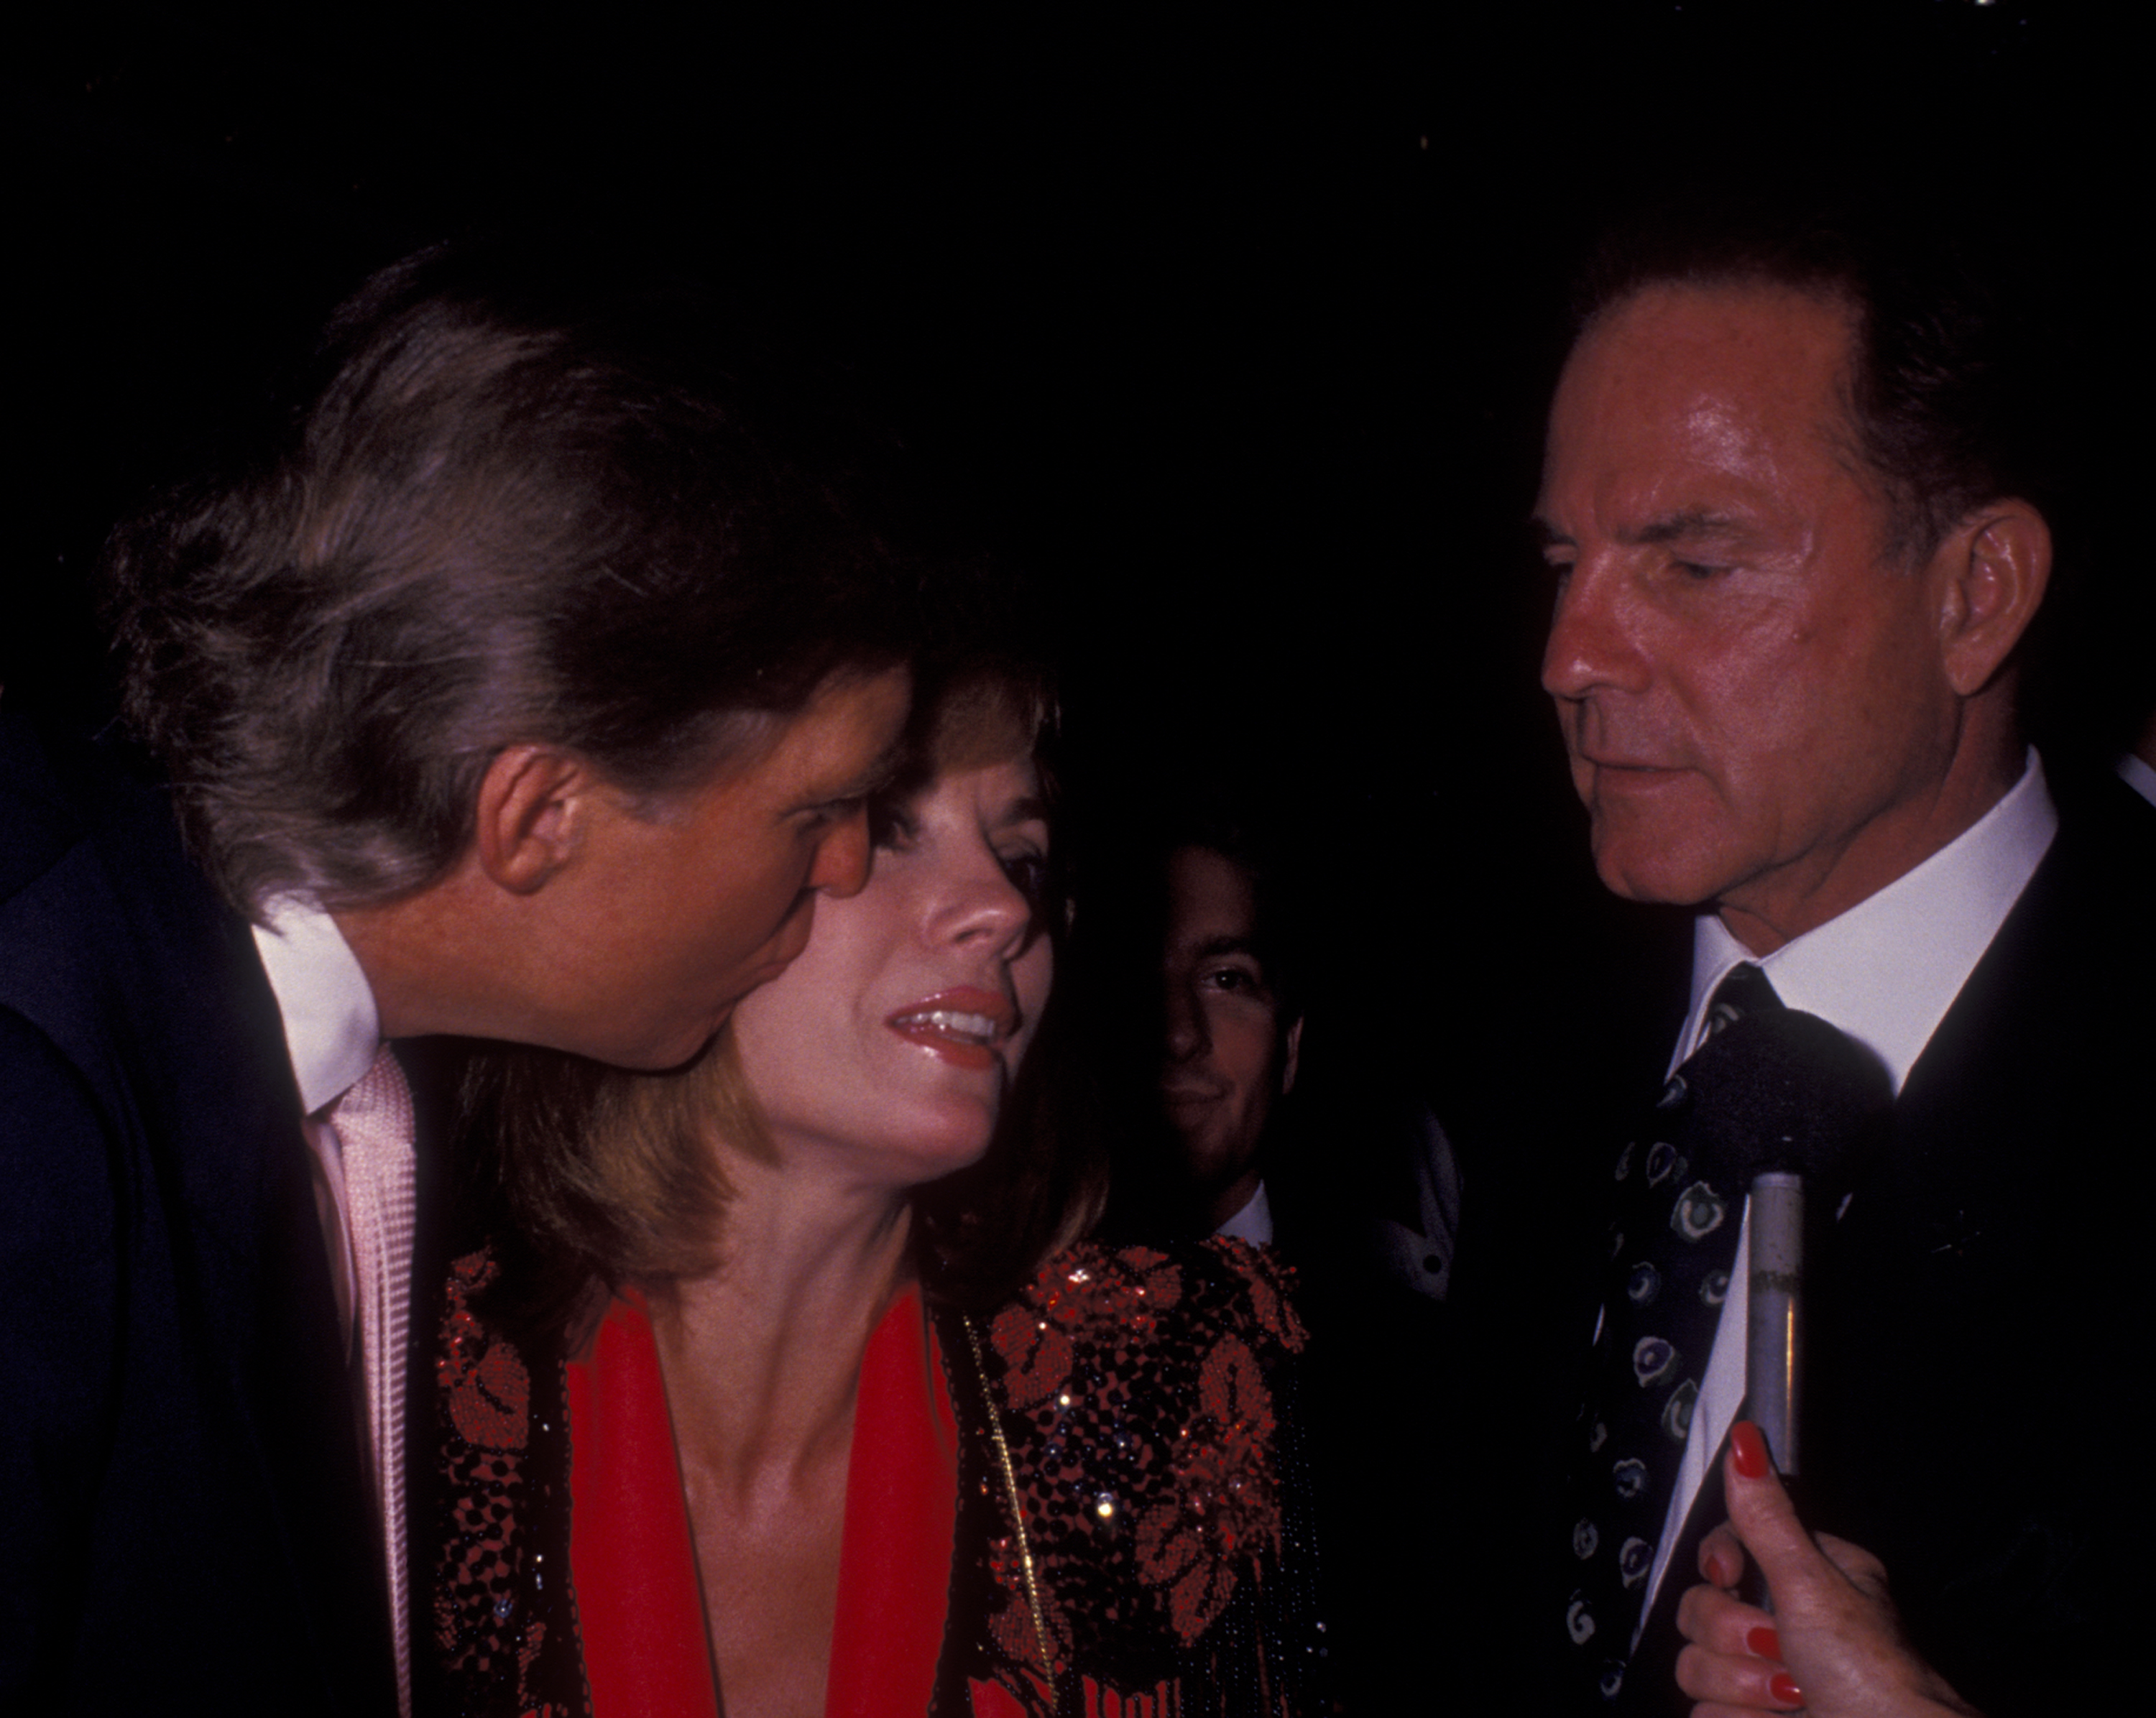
(185, 1519)
(58, 1349)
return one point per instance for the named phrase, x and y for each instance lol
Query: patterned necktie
(373, 1125)
(1672, 1249)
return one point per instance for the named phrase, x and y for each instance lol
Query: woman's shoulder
(1148, 1305)
(1139, 1408)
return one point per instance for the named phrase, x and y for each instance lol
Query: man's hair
(1935, 383)
(526, 498)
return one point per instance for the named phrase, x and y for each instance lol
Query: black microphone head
(1780, 1089)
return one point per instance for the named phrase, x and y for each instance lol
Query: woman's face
(890, 1041)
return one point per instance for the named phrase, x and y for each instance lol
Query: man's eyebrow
(1676, 527)
(871, 782)
(1214, 947)
(1668, 528)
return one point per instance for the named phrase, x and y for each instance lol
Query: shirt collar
(331, 1031)
(2139, 775)
(1254, 1222)
(1887, 971)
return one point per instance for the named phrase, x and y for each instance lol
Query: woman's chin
(937, 1148)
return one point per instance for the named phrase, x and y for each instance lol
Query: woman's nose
(990, 906)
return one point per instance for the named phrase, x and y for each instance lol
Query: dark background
(1236, 333)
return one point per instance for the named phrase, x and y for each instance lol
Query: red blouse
(1115, 1526)
(639, 1604)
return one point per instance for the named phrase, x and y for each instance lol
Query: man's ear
(530, 800)
(1994, 567)
(1294, 1055)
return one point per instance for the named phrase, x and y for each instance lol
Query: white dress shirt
(1253, 1220)
(1885, 972)
(2137, 774)
(331, 1032)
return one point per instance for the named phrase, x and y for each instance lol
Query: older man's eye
(817, 821)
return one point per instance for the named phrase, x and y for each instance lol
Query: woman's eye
(1028, 871)
(891, 826)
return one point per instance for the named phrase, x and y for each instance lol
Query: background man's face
(1227, 1057)
(1751, 692)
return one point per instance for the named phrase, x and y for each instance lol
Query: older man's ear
(1994, 568)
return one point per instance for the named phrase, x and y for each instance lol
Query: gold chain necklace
(1017, 1507)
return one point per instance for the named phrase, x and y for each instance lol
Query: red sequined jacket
(1124, 1510)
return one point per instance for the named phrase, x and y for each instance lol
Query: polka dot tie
(1672, 1245)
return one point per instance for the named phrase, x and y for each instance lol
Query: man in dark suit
(1796, 558)
(528, 686)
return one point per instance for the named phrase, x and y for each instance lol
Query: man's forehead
(1677, 387)
(1718, 309)
(1678, 344)
(1210, 895)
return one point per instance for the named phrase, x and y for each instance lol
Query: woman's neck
(762, 1357)
(762, 1362)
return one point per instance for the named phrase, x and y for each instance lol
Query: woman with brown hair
(763, 1399)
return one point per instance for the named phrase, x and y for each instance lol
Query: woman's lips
(966, 1027)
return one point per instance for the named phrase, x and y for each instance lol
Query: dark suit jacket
(183, 1522)
(1981, 1360)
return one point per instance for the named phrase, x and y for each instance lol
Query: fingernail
(1750, 1449)
(1784, 1688)
(1763, 1642)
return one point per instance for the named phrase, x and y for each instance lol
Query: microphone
(1790, 1105)
(1774, 1316)
(1794, 1103)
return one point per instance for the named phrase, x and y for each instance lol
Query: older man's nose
(1591, 645)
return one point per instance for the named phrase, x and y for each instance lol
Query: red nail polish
(1784, 1688)
(1750, 1449)
(1763, 1642)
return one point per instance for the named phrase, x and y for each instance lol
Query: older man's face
(1751, 688)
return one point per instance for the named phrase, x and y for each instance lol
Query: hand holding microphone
(1808, 1104)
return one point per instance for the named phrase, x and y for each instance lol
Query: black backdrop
(1238, 332)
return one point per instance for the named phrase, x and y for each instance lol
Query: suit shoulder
(2103, 824)
(59, 792)
(2048, 1034)
(113, 945)
(41, 816)
(2091, 908)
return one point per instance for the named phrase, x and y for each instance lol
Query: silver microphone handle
(1775, 1332)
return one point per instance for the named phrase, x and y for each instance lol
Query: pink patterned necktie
(373, 1125)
